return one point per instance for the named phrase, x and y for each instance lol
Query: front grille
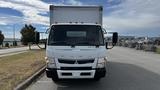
(83, 61)
(76, 68)
(66, 61)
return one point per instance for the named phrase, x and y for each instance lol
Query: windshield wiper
(55, 42)
(84, 42)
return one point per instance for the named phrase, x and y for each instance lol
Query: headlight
(50, 62)
(101, 63)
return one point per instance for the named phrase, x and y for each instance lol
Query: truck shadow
(121, 76)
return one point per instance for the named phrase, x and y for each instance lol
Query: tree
(1, 38)
(28, 34)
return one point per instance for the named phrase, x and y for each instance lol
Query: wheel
(55, 79)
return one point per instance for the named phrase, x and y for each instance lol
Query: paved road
(128, 70)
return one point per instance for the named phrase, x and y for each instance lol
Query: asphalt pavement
(128, 69)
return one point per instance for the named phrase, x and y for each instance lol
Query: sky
(127, 17)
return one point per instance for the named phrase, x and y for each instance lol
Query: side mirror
(114, 38)
(37, 37)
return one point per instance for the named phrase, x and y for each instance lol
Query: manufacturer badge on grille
(76, 62)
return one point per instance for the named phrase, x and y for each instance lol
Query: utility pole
(14, 41)
(14, 32)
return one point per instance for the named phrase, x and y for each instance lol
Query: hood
(79, 52)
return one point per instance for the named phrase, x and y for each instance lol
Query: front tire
(100, 72)
(55, 79)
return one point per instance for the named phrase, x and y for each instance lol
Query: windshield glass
(76, 35)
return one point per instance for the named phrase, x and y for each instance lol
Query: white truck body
(75, 61)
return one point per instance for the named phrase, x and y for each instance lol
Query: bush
(153, 48)
(7, 44)
(150, 48)
(158, 50)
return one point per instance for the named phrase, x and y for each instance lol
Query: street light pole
(14, 35)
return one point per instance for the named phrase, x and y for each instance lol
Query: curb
(30, 80)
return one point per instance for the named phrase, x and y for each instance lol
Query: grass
(158, 50)
(16, 68)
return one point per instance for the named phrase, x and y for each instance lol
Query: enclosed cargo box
(75, 14)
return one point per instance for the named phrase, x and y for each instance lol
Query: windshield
(76, 35)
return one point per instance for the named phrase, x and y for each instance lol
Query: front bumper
(75, 74)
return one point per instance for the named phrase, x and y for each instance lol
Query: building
(10, 41)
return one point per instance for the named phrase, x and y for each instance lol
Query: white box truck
(75, 46)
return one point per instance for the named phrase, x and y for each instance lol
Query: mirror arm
(104, 31)
(110, 47)
(48, 29)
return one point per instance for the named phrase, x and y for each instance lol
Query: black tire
(55, 79)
